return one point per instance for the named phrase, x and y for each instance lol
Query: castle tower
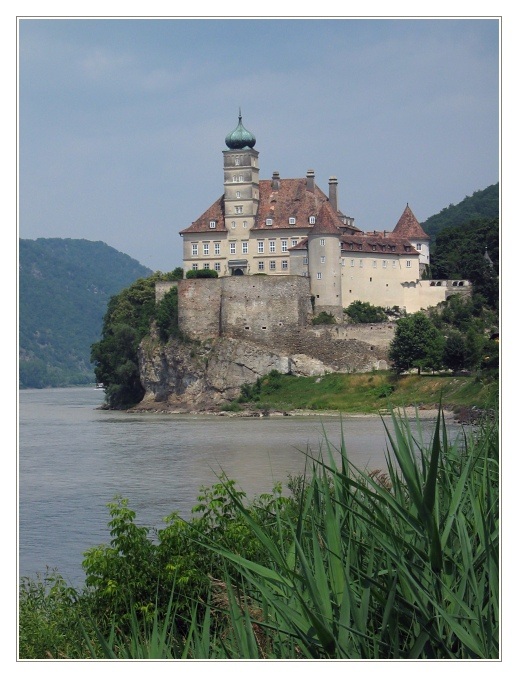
(409, 228)
(241, 184)
(324, 262)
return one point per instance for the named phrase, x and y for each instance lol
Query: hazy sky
(122, 121)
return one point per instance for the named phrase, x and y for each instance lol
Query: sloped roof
(409, 227)
(291, 199)
(327, 222)
(370, 244)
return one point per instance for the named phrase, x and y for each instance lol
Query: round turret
(240, 137)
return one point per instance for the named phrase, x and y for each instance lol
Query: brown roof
(292, 199)
(367, 243)
(378, 243)
(327, 222)
(409, 227)
(216, 212)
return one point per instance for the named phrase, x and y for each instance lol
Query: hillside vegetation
(64, 288)
(484, 204)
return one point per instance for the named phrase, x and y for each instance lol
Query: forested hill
(64, 288)
(482, 204)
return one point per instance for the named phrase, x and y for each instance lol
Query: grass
(368, 393)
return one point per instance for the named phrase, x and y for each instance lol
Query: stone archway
(237, 271)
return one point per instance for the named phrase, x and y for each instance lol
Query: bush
(363, 312)
(202, 273)
(324, 318)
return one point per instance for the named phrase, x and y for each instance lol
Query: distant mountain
(64, 288)
(482, 204)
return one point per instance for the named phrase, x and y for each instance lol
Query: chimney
(276, 181)
(333, 197)
(310, 181)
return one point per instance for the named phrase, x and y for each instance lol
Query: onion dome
(240, 137)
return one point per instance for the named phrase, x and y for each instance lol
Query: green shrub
(324, 318)
(202, 273)
(363, 312)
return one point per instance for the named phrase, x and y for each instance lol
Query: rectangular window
(272, 246)
(284, 245)
(260, 265)
(272, 265)
(245, 224)
(305, 260)
(232, 248)
(319, 276)
(374, 264)
(212, 224)
(284, 265)
(322, 241)
(419, 246)
(206, 266)
(195, 250)
(217, 266)
(244, 247)
(394, 264)
(408, 264)
(361, 263)
(238, 194)
(294, 242)
(322, 260)
(195, 267)
(239, 209)
(352, 262)
(384, 264)
(260, 247)
(217, 248)
(205, 248)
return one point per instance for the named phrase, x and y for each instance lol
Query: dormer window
(291, 221)
(311, 220)
(269, 222)
(360, 247)
(212, 224)
(374, 248)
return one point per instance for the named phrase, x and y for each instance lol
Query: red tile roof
(409, 227)
(327, 222)
(292, 199)
(369, 244)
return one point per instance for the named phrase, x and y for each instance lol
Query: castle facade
(283, 227)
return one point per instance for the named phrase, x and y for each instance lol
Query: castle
(282, 227)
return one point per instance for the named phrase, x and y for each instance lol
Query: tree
(126, 322)
(455, 352)
(416, 344)
(363, 312)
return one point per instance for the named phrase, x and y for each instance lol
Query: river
(74, 458)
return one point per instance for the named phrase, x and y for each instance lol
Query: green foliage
(324, 318)
(484, 204)
(64, 287)
(51, 618)
(363, 312)
(166, 315)
(460, 253)
(127, 320)
(202, 273)
(417, 344)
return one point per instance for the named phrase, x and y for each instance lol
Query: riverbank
(461, 397)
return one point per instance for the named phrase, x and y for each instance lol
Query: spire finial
(240, 116)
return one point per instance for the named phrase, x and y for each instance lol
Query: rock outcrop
(203, 376)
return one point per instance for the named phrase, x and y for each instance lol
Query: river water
(74, 458)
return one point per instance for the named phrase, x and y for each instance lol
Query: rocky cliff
(203, 376)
